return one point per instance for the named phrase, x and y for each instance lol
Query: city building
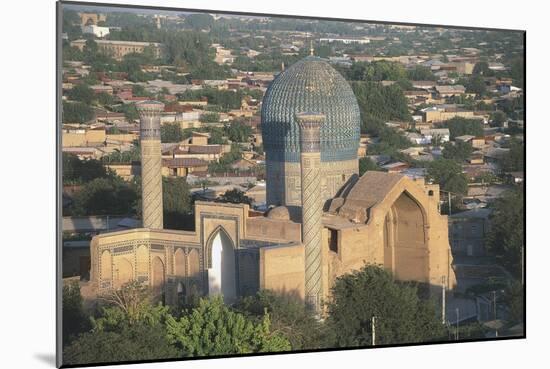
(468, 231)
(117, 49)
(87, 19)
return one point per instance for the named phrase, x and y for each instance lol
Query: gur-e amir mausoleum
(324, 219)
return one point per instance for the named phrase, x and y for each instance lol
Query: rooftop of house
(184, 163)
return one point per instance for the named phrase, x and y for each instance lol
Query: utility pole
(522, 264)
(456, 335)
(449, 194)
(495, 304)
(373, 330)
(443, 299)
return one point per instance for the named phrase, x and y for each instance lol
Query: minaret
(151, 163)
(312, 207)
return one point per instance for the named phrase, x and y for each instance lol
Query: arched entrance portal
(221, 274)
(405, 247)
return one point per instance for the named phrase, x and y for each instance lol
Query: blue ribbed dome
(310, 85)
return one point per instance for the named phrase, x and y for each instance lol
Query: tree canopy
(105, 196)
(448, 174)
(238, 131)
(379, 104)
(212, 328)
(288, 315)
(459, 126)
(236, 196)
(400, 315)
(366, 164)
(506, 237)
(77, 112)
(82, 93)
(81, 171)
(171, 132)
(515, 159)
(458, 151)
(177, 202)
(376, 71)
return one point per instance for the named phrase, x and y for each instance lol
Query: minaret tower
(312, 206)
(151, 163)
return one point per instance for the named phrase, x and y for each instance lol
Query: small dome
(279, 212)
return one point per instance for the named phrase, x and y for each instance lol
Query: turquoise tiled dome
(310, 85)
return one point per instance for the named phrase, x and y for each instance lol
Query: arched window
(157, 277)
(106, 266)
(193, 264)
(124, 272)
(179, 258)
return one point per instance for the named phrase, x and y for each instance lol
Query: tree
(289, 317)
(224, 163)
(105, 99)
(379, 104)
(139, 90)
(133, 343)
(81, 171)
(514, 299)
(128, 328)
(210, 117)
(238, 131)
(177, 202)
(366, 164)
(171, 132)
(459, 126)
(401, 316)
(105, 196)
(448, 174)
(129, 110)
(459, 151)
(498, 118)
(517, 71)
(236, 196)
(77, 112)
(128, 305)
(476, 84)
(515, 159)
(421, 73)
(376, 71)
(75, 320)
(482, 68)
(506, 238)
(82, 93)
(214, 329)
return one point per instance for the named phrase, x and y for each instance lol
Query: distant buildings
(437, 114)
(468, 232)
(117, 49)
(87, 19)
(97, 31)
(345, 40)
